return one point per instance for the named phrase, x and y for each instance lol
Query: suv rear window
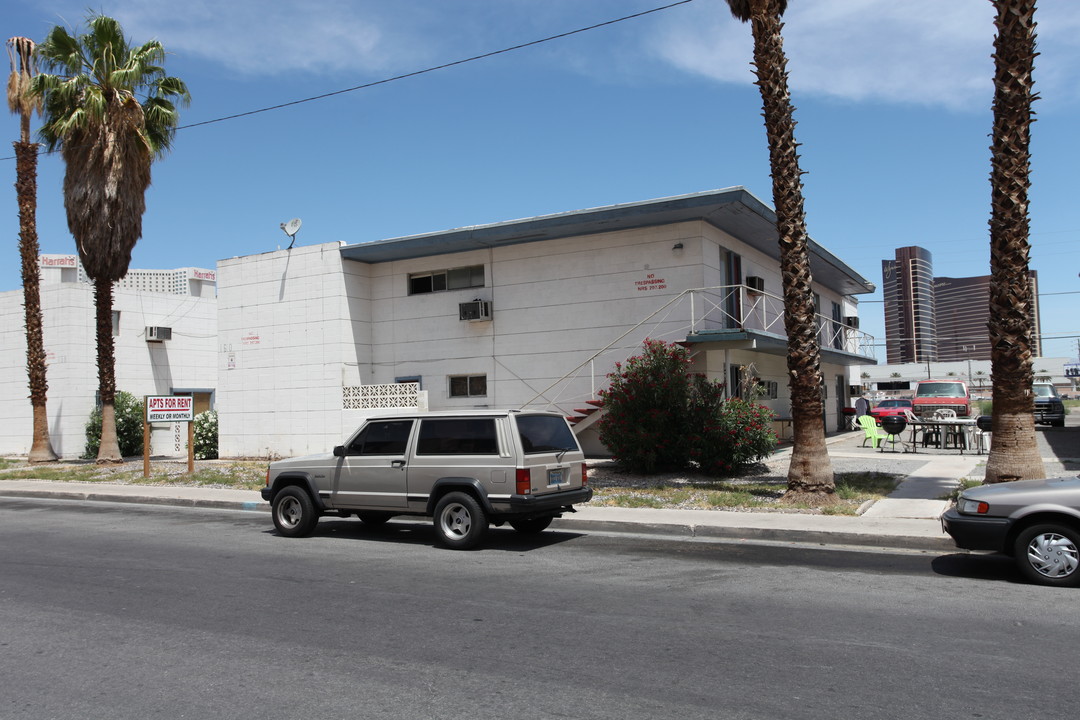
(545, 433)
(457, 436)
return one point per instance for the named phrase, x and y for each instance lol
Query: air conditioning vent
(158, 334)
(475, 310)
(852, 321)
(755, 284)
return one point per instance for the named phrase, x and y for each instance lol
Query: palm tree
(1013, 450)
(22, 103)
(108, 139)
(810, 475)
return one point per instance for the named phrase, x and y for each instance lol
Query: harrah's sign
(60, 261)
(204, 275)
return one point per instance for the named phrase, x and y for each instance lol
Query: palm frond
(743, 10)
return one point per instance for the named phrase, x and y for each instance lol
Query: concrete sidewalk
(907, 519)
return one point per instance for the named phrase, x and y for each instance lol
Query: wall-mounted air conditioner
(475, 310)
(755, 283)
(158, 334)
(852, 321)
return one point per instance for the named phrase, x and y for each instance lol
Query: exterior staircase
(584, 417)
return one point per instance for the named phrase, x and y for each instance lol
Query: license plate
(557, 477)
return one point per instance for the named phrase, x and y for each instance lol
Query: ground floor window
(468, 385)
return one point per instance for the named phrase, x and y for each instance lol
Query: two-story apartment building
(527, 312)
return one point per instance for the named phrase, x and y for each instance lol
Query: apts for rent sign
(170, 408)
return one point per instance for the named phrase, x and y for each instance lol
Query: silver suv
(464, 469)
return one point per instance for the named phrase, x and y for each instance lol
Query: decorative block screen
(372, 397)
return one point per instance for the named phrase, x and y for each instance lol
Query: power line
(425, 71)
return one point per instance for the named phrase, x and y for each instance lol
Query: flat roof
(734, 210)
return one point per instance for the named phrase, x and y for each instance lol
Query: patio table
(961, 428)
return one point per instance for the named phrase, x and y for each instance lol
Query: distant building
(197, 282)
(930, 319)
(907, 282)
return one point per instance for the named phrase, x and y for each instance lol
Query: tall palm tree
(22, 103)
(810, 474)
(1013, 449)
(109, 108)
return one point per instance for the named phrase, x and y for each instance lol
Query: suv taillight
(584, 474)
(523, 481)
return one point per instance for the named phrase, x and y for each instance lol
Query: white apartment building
(165, 343)
(532, 312)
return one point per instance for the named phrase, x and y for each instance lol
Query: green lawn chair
(873, 432)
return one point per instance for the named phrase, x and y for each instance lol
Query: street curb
(785, 535)
(670, 530)
(137, 499)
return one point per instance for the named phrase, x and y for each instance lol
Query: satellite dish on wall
(291, 228)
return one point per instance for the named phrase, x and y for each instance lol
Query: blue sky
(893, 105)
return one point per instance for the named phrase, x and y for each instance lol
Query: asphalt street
(131, 611)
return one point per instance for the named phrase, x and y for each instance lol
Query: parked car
(1049, 408)
(1037, 522)
(887, 408)
(463, 469)
(933, 395)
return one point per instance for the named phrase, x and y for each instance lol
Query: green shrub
(206, 435)
(129, 426)
(737, 434)
(658, 415)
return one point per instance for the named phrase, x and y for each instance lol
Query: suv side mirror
(339, 451)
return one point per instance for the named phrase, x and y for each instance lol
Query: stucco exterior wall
(294, 329)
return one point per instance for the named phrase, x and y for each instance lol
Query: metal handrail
(718, 308)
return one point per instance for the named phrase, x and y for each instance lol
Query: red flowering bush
(661, 416)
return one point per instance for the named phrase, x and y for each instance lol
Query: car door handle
(397, 463)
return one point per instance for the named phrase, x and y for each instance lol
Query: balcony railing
(737, 307)
(697, 314)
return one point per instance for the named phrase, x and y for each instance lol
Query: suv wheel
(294, 513)
(1049, 555)
(460, 522)
(531, 526)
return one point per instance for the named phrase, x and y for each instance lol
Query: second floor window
(453, 279)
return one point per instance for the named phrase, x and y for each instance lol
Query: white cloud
(917, 51)
(252, 37)
(930, 52)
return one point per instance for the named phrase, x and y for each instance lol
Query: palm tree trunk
(1013, 450)
(109, 450)
(810, 475)
(26, 190)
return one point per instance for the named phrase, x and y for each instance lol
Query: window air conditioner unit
(755, 283)
(475, 310)
(158, 334)
(852, 321)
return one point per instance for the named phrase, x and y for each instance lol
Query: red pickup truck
(932, 395)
